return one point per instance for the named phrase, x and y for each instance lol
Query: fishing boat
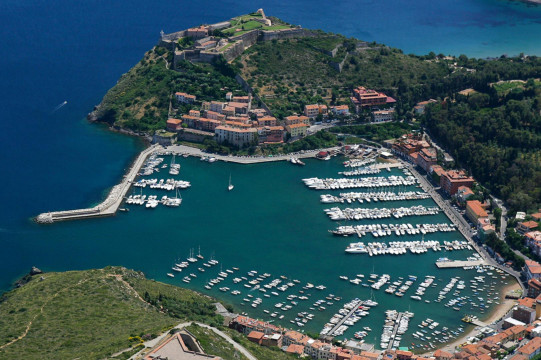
(230, 187)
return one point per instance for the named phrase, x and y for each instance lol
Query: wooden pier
(110, 205)
(459, 263)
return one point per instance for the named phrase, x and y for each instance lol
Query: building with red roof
(185, 98)
(533, 241)
(427, 158)
(531, 349)
(475, 211)
(295, 349)
(255, 336)
(174, 124)
(531, 270)
(367, 97)
(442, 355)
(526, 226)
(451, 180)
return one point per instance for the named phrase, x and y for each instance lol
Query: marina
(361, 197)
(287, 293)
(379, 230)
(379, 213)
(368, 182)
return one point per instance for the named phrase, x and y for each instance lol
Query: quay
(395, 330)
(459, 263)
(388, 165)
(110, 205)
(341, 322)
(462, 225)
(191, 151)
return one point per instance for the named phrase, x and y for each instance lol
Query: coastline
(498, 312)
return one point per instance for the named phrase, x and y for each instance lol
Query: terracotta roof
(534, 235)
(476, 207)
(529, 302)
(529, 224)
(255, 335)
(531, 347)
(533, 266)
(295, 349)
(174, 121)
(297, 125)
(441, 353)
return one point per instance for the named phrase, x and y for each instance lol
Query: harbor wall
(110, 205)
(242, 42)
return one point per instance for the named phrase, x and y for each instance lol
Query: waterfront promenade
(191, 151)
(110, 205)
(459, 263)
(461, 225)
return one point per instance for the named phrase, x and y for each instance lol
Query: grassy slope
(214, 344)
(260, 352)
(294, 73)
(87, 314)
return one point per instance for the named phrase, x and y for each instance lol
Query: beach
(497, 314)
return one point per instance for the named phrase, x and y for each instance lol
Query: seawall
(109, 206)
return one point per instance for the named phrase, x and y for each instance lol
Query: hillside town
(235, 122)
(517, 337)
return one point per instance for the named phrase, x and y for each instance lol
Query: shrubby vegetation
(376, 132)
(496, 138)
(92, 314)
(319, 140)
(505, 251)
(140, 99)
(293, 73)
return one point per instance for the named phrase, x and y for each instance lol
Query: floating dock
(395, 330)
(338, 324)
(459, 263)
(110, 205)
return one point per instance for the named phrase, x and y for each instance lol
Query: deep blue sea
(52, 159)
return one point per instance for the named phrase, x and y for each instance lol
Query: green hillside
(92, 314)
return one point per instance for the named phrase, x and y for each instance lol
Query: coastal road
(461, 224)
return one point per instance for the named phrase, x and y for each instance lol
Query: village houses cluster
(235, 122)
(520, 336)
(455, 183)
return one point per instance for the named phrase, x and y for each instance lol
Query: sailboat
(174, 202)
(199, 255)
(230, 187)
(173, 167)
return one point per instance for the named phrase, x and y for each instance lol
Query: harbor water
(259, 226)
(60, 59)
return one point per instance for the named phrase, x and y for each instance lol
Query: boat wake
(60, 106)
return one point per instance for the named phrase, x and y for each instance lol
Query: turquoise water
(261, 226)
(51, 160)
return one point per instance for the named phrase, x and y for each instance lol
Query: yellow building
(297, 130)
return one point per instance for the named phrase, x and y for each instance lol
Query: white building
(234, 136)
(383, 115)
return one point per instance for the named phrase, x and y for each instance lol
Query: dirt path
(23, 335)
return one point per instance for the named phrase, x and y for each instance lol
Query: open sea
(58, 59)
